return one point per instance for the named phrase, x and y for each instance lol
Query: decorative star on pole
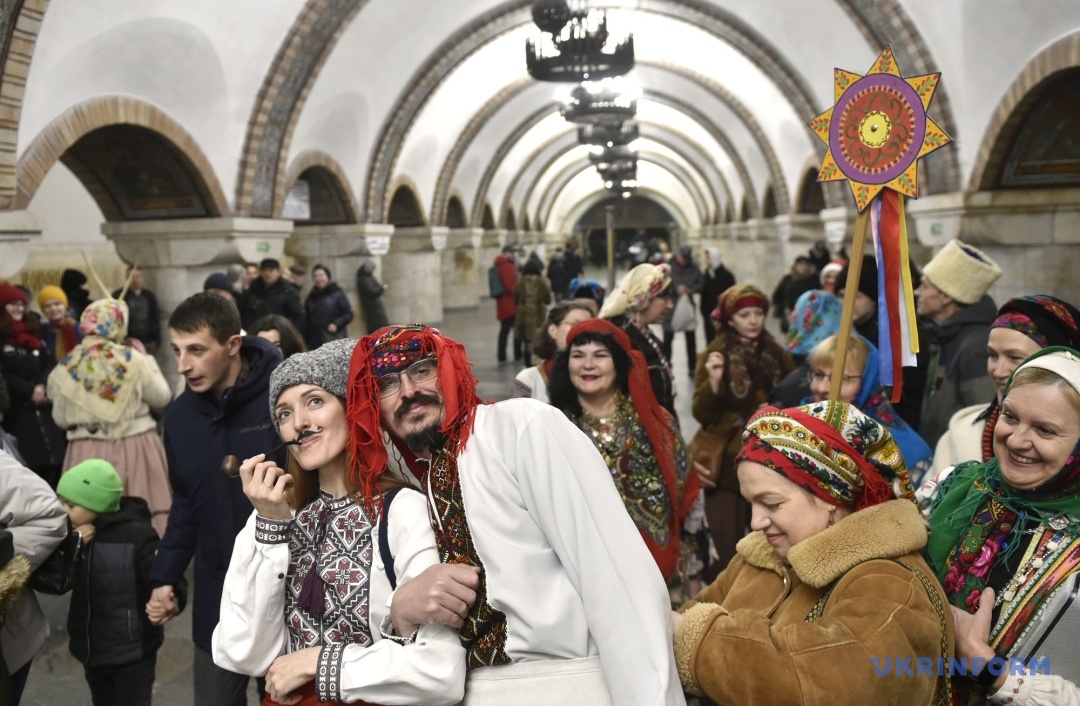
(878, 129)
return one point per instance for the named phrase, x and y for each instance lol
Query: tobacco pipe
(230, 465)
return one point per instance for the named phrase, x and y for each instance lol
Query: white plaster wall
(980, 47)
(565, 160)
(200, 61)
(518, 155)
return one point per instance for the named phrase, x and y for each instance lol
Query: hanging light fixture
(608, 101)
(575, 44)
(608, 133)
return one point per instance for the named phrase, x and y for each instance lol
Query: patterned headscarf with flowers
(637, 290)
(817, 316)
(101, 377)
(832, 450)
(978, 521)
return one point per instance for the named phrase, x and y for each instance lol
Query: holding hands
(264, 484)
(162, 606)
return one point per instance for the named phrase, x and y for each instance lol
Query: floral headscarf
(102, 377)
(832, 450)
(637, 290)
(817, 316)
(736, 298)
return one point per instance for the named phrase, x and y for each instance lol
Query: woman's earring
(832, 517)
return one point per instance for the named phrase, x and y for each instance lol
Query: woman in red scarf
(602, 385)
(550, 339)
(26, 367)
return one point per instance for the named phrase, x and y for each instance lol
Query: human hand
(714, 368)
(973, 631)
(441, 594)
(331, 327)
(136, 344)
(86, 531)
(681, 289)
(264, 483)
(38, 396)
(162, 605)
(290, 672)
(705, 476)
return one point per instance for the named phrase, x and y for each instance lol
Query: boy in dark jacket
(110, 632)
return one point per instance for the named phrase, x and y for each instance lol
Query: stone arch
(729, 216)
(744, 209)
(455, 213)
(459, 47)
(768, 203)
(811, 195)
(333, 184)
(20, 22)
(487, 219)
(575, 214)
(261, 183)
(525, 223)
(404, 209)
(110, 112)
(511, 221)
(1015, 104)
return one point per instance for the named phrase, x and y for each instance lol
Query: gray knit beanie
(327, 366)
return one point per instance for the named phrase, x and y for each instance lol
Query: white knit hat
(963, 272)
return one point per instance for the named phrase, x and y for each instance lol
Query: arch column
(413, 271)
(460, 268)
(19, 231)
(1034, 235)
(342, 247)
(177, 255)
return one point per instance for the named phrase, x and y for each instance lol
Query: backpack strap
(384, 537)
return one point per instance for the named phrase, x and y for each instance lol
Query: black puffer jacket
(323, 307)
(107, 621)
(41, 442)
(261, 299)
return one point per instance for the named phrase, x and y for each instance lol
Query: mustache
(415, 401)
(307, 433)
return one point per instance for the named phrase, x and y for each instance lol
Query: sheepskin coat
(746, 638)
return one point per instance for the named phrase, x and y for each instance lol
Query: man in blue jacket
(223, 411)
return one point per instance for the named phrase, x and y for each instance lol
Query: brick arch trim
(403, 182)
(317, 158)
(83, 118)
(1014, 104)
(19, 27)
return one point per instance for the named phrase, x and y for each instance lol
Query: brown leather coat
(746, 640)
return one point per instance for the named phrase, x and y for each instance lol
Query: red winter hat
(10, 293)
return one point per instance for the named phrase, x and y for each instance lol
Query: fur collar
(886, 531)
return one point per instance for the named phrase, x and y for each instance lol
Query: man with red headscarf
(568, 604)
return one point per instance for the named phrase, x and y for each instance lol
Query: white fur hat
(963, 272)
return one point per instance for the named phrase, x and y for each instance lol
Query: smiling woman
(317, 635)
(1005, 534)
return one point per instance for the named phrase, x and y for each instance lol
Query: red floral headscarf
(734, 299)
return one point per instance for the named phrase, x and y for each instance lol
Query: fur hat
(50, 292)
(962, 272)
(327, 366)
(93, 484)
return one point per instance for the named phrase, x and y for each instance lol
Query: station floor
(57, 678)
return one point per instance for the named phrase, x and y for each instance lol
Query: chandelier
(606, 101)
(575, 45)
(608, 133)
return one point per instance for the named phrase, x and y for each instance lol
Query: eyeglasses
(17, 303)
(822, 376)
(418, 372)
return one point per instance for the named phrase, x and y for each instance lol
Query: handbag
(716, 452)
(707, 450)
(56, 575)
(684, 318)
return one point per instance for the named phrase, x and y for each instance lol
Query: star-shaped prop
(878, 129)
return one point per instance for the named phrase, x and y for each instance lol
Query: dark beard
(430, 438)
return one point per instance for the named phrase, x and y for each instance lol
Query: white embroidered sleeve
(1036, 690)
(251, 632)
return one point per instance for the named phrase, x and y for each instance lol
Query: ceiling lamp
(617, 158)
(608, 133)
(575, 45)
(607, 101)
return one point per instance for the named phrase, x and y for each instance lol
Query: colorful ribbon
(898, 334)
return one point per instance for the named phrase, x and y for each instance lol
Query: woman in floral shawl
(734, 378)
(102, 394)
(1005, 538)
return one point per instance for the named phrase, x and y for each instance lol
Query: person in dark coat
(558, 277)
(144, 317)
(75, 286)
(686, 281)
(26, 366)
(327, 311)
(716, 280)
(271, 293)
(222, 411)
(505, 305)
(575, 266)
(369, 290)
(109, 631)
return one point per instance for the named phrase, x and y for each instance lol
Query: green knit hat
(93, 484)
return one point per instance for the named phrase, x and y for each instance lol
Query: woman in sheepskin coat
(830, 580)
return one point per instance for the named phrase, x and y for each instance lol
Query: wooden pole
(847, 316)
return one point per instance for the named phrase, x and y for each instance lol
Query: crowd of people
(382, 535)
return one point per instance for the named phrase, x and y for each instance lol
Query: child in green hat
(110, 632)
